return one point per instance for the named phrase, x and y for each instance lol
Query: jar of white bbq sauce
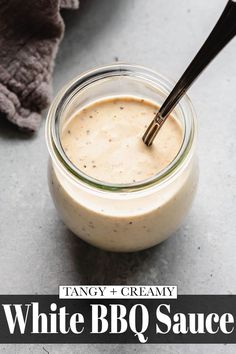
(136, 213)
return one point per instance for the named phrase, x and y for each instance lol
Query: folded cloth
(30, 32)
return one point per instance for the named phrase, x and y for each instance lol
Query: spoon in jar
(222, 33)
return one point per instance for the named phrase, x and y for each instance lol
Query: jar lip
(84, 79)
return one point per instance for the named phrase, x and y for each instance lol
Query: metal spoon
(222, 33)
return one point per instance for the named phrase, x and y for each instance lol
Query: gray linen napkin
(30, 32)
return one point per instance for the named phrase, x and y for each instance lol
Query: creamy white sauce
(105, 141)
(109, 137)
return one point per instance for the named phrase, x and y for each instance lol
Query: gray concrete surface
(37, 252)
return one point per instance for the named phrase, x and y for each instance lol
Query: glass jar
(121, 217)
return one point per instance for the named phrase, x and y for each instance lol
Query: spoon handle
(222, 33)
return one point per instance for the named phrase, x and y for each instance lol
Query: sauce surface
(104, 140)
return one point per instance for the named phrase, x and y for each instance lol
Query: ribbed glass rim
(84, 80)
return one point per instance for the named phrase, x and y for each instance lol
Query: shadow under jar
(121, 217)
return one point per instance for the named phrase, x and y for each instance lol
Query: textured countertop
(38, 253)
